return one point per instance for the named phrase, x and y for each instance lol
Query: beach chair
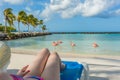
(85, 72)
(75, 71)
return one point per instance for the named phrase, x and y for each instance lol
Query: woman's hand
(22, 72)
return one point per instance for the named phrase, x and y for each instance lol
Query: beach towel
(72, 71)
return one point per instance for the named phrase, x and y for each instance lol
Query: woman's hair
(5, 55)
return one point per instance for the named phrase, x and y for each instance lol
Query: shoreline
(64, 55)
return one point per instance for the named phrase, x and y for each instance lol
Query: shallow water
(108, 43)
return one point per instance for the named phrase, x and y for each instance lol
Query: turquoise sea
(108, 43)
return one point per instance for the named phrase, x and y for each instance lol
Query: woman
(45, 66)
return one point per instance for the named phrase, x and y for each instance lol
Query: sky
(69, 15)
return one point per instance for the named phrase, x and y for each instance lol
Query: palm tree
(34, 22)
(10, 20)
(29, 21)
(9, 17)
(43, 28)
(21, 18)
(40, 23)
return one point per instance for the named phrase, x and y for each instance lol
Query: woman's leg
(37, 66)
(52, 68)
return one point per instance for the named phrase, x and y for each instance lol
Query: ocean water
(109, 44)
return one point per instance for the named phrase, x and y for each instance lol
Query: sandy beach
(102, 67)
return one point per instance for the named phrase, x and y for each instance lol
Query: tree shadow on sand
(117, 72)
(108, 59)
(104, 65)
(97, 78)
(112, 71)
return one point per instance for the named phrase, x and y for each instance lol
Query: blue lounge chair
(75, 71)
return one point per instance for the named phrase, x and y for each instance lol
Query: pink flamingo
(73, 44)
(95, 45)
(59, 42)
(54, 43)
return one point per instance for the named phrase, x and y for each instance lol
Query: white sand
(101, 67)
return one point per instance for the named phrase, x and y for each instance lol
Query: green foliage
(41, 22)
(22, 15)
(9, 18)
(43, 28)
(8, 29)
(23, 18)
(11, 35)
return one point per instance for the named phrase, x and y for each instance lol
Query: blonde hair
(5, 55)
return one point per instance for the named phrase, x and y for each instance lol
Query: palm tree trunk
(19, 27)
(40, 28)
(33, 29)
(28, 28)
(10, 28)
(43, 31)
(5, 30)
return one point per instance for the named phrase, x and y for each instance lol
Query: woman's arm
(22, 72)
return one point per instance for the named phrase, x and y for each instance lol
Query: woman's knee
(55, 56)
(44, 51)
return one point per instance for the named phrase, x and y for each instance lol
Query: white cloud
(117, 12)
(58, 6)
(47, 12)
(71, 8)
(36, 13)
(14, 1)
(93, 7)
(28, 8)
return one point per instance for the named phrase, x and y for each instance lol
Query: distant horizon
(67, 31)
(86, 32)
(94, 31)
(78, 31)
